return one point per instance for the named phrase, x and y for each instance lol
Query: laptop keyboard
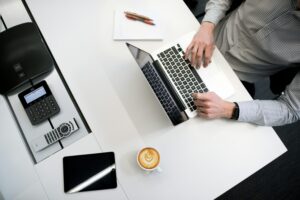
(161, 92)
(183, 75)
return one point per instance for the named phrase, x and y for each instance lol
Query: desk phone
(39, 103)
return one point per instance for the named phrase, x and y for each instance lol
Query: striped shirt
(259, 39)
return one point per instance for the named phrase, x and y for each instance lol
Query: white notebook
(125, 29)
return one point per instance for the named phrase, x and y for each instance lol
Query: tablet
(89, 172)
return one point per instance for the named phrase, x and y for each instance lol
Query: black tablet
(89, 172)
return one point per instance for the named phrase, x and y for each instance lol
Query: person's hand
(202, 46)
(210, 106)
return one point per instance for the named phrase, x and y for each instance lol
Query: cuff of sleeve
(249, 111)
(212, 16)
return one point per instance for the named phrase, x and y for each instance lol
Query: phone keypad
(42, 110)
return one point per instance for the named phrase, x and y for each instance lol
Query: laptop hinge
(169, 86)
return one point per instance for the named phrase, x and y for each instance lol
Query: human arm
(202, 44)
(215, 10)
(284, 110)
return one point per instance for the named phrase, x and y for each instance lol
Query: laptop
(173, 79)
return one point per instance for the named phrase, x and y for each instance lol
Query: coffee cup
(148, 159)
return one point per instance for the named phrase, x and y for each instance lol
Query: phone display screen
(34, 95)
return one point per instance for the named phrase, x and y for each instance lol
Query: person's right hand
(211, 106)
(201, 46)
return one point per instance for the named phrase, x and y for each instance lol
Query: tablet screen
(89, 172)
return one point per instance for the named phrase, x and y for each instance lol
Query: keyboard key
(174, 50)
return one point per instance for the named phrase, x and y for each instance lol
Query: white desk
(201, 159)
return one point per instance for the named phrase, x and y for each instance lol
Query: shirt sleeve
(215, 10)
(284, 110)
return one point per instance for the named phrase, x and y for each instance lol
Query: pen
(150, 22)
(137, 15)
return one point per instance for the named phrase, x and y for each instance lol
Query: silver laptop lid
(142, 57)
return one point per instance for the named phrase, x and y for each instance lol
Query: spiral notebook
(125, 29)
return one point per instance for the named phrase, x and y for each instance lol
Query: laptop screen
(141, 57)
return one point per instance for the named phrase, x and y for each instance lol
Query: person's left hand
(201, 46)
(210, 106)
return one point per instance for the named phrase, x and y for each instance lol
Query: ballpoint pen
(146, 21)
(137, 15)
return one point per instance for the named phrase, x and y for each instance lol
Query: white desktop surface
(200, 159)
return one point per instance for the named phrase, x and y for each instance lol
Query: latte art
(149, 158)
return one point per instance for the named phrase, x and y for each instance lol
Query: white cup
(152, 163)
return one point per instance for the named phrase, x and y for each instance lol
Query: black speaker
(23, 56)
